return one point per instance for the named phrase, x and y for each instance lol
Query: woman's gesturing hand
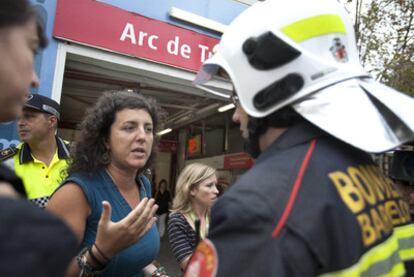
(112, 237)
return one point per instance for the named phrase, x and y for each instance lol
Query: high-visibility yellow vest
(40, 180)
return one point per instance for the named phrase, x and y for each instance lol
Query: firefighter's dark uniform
(311, 205)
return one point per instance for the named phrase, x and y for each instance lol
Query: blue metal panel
(223, 11)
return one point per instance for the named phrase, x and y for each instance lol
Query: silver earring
(106, 158)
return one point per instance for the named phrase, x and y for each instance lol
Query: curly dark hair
(88, 150)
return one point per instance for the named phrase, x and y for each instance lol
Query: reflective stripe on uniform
(41, 202)
(39, 179)
(405, 235)
(382, 260)
(314, 27)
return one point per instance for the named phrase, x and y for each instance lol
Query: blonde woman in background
(195, 193)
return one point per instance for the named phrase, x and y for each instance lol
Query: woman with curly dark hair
(106, 199)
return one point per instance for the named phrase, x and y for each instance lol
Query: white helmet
(294, 52)
(305, 44)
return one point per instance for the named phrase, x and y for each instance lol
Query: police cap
(43, 104)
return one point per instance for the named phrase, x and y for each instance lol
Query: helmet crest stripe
(314, 26)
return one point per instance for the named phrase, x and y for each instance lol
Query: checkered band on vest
(41, 202)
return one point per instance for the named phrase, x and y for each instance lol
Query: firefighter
(314, 203)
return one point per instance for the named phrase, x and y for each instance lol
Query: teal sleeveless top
(99, 187)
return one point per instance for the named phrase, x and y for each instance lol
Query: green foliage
(384, 31)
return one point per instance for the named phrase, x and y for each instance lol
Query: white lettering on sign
(185, 51)
(205, 52)
(151, 42)
(129, 33)
(174, 48)
(143, 38)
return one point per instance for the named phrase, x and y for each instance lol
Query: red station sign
(107, 27)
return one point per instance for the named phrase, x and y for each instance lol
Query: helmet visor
(213, 79)
(361, 112)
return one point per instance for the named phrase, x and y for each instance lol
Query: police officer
(42, 158)
(314, 203)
